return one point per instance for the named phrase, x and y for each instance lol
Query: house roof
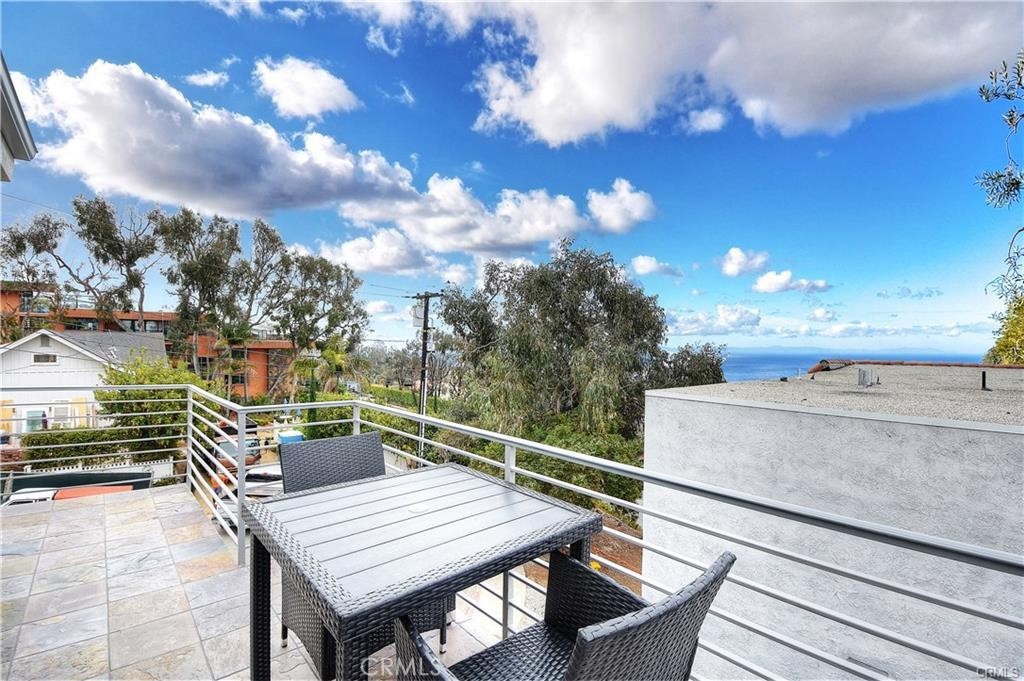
(117, 347)
(16, 132)
(109, 347)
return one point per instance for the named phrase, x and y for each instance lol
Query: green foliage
(1009, 345)
(392, 396)
(572, 333)
(316, 432)
(91, 441)
(137, 412)
(693, 364)
(1003, 187)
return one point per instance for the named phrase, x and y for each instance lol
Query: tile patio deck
(142, 585)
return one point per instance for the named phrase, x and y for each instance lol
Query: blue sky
(779, 175)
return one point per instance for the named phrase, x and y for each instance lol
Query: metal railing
(213, 438)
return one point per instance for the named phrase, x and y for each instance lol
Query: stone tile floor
(142, 585)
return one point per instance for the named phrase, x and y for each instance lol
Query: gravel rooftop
(940, 392)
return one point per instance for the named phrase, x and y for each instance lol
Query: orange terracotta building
(259, 364)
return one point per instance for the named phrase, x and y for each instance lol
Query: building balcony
(152, 583)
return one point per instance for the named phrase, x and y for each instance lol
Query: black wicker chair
(593, 629)
(329, 461)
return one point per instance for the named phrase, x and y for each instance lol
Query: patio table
(366, 552)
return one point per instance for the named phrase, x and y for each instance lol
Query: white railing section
(212, 444)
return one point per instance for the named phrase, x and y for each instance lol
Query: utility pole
(424, 299)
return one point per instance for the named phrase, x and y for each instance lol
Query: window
(61, 413)
(44, 358)
(44, 341)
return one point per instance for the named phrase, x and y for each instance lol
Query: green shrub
(393, 396)
(90, 440)
(327, 414)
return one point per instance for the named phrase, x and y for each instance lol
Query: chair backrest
(657, 642)
(332, 460)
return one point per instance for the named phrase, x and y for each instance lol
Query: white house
(47, 377)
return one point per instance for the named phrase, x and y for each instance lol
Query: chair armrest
(579, 597)
(415, 659)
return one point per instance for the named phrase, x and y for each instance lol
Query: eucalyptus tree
(319, 302)
(200, 254)
(120, 251)
(570, 335)
(1003, 190)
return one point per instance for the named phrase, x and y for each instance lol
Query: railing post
(355, 419)
(506, 580)
(241, 451)
(189, 438)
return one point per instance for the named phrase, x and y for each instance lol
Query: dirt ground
(606, 546)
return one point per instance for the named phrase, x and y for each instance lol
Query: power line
(36, 203)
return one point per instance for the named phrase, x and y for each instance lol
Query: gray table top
(389, 542)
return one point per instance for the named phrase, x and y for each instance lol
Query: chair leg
(284, 636)
(444, 633)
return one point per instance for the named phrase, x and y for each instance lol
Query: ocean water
(748, 365)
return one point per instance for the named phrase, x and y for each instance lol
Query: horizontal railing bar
(215, 447)
(90, 403)
(144, 426)
(212, 510)
(180, 436)
(232, 478)
(229, 494)
(803, 604)
(889, 585)
(395, 450)
(798, 646)
(528, 582)
(303, 424)
(738, 661)
(154, 387)
(212, 412)
(30, 462)
(432, 443)
(108, 415)
(217, 429)
(478, 607)
(216, 399)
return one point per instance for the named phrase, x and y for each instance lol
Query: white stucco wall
(958, 480)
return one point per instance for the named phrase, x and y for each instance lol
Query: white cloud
(180, 153)
(776, 282)
(646, 264)
(302, 89)
(736, 261)
(457, 274)
(700, 121)
(296, 15)
(236, 8)
(726, 319)
(229, 61)
(477, 167)
(403, 96)
(620, 209)
(379, 307)
(448, 217)
(820, 314)
(696, 293)
(581, 70)
(904, 292)
(386, 250)
(865, 330)
(377, 40)
(215, 160)
(391, 13)
(207, 78)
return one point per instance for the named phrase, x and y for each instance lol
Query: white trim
(673, 394)
(55, 336)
